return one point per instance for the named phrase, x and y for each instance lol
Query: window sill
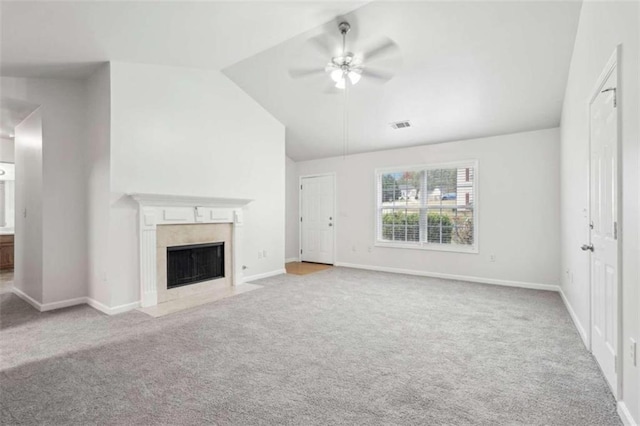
(433, 247)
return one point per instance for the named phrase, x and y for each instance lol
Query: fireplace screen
(194, 263)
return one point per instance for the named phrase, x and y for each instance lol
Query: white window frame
(458, 248)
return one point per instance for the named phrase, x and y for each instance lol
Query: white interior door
(604, 230)
(317, 219)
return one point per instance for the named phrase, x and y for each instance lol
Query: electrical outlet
(353, 249)
(370, 249)
(492, 258)
(632, 352)
(264, 253)
(259, 254)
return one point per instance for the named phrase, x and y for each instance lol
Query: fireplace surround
(159, 213)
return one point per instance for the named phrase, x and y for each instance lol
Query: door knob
(587, 247)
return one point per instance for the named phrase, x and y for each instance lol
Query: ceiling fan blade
(323, 45)
(385, 48)
(305, 72)
(378, 76)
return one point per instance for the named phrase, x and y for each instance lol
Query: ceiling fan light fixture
(341, 84)
(354, 77)
(336, 75)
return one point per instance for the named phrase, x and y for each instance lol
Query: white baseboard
(581, 330)
(111, 311)
(98, 306)
(264, 275)
(30, 300)
(625, 415)
(535, 286)
(44, 307)
(124, 308)
(63, 304)
(291, 259)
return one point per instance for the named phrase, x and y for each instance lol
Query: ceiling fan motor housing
(344, 27)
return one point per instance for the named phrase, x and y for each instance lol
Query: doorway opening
(21, 198)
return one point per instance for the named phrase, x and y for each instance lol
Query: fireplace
(167, 221)
(195, 263)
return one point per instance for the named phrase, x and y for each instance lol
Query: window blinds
(427, 206)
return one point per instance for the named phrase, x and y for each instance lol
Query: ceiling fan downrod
(344, 28)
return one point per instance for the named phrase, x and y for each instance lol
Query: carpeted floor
(340, 346)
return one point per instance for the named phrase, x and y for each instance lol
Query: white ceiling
(69, 39)
(469, 69)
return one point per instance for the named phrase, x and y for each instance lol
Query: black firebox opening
(194, 263)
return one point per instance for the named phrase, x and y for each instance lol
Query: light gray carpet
(340, 346)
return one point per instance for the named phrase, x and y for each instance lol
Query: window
(429, 207)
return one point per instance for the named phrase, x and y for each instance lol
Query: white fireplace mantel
(165, 209)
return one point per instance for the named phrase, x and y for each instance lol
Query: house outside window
(427, 207)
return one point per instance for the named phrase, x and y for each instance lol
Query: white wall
(292, 228)
(7, 151)
(518, 196)
(62, 106)
(98, 174)
(603, 25)
(64, 190)
(28, 252)
(191, 132)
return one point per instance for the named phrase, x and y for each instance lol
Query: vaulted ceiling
(467, 69)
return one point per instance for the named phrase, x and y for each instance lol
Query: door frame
(612, 65)
(335, 219)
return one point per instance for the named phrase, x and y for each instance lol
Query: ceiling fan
(346, 67)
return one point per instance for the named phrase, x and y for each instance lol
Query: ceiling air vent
(401, 124)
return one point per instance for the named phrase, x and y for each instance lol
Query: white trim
(163, 200)
(612, 63)
(264, 275)
(63, 304)
(625, 415)
(30, 300)
(292, 259)
(112, 311)
(44, 307)
(576, 321)
(425, 166)
(335, 209)
(481, 280)
(456, 248)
